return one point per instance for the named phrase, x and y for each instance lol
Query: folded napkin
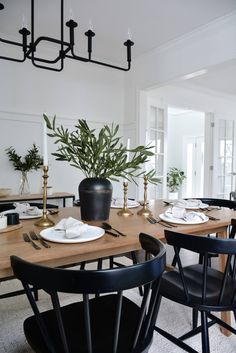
(186, 216)
(195, 217)
(120, 202)
(21, 207)
(71, 227)
(176, 212)
(188, 203)
(25, 208)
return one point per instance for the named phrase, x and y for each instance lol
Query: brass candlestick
(44, 221)
(125, 211)
(145, 210)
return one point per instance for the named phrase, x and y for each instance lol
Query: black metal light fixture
(66, 48)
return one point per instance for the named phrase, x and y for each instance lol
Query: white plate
(59, 236)
(189, 207)
(133, 205)
(181, 221)
(23, 215)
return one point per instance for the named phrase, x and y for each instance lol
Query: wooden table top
(35, 196)
(11, 243)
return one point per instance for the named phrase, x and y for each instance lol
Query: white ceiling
(220, 78)
(151, 23)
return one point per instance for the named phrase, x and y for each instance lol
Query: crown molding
(203, 31)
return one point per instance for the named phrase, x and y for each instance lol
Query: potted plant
(102, 158)
(31, 161)
(175, 178)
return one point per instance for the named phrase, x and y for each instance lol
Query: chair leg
(194, 318)
(205, 334)
(36, 294)
(99, 266)
(200, 261)
(111, 261)
(82, 265)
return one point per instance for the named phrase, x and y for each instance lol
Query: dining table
(66, 254)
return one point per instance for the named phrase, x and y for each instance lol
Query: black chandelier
(66, 48)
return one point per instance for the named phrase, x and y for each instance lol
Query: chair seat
(102, 326)
(172, 287)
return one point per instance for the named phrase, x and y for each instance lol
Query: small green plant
(175, 178)
(31, 161)
(99, 154)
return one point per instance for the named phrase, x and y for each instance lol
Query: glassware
(24, 184)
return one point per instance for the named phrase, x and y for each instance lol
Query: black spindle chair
(218, 203)
(106, 323)
(199, 286)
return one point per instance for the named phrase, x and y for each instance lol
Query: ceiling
(151, 22)
(220, 78)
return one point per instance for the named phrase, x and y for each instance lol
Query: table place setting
(189, 204)
(180, 215)
(24, 210)
(70, 230)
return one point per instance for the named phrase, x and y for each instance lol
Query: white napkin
(194, 216)
(25, 208)
(120, 202)
(188, 203)
(186, 216)
(176, 212)
(21, 207)
(71, 227)
(180, 203)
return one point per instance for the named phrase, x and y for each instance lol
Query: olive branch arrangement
(31, 161)
(99, 154)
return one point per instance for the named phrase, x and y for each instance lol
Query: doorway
(185, 140)
(193, 161)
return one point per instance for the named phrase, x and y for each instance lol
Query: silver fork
(29, 240)
(34, 236)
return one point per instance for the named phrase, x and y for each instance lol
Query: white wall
(81, 90)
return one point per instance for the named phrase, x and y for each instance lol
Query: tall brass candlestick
(145, 210)
(45, 221)
(125, 211)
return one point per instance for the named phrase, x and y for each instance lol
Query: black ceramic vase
(95, 199)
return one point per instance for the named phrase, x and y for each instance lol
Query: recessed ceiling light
(194, 74)
(1, 6)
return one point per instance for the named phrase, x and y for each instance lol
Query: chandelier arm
(75, 57)
(49, 68)
(49, 39)
(13, 43)
(13, 59)
(110, 65)
(34, 44)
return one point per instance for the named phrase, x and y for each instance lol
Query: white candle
(45, 145)
(91, 24)
(71, 14)
(128, 147)
(129, 34)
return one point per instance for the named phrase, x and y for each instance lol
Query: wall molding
(37, 118)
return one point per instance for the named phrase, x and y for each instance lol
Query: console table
(55, 196)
